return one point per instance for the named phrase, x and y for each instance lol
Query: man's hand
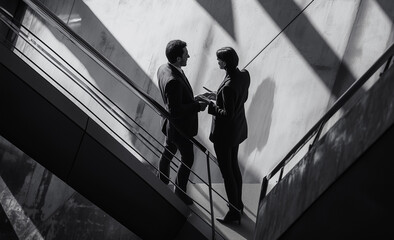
(203, 105)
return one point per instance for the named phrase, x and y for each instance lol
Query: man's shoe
(185, 198)
(165, 179)
(239, 210)
(231, 217)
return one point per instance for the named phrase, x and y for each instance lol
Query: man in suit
(182, 124)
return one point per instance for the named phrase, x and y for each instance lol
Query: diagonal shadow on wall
(388, 7)
(308, 41)
(222, 12)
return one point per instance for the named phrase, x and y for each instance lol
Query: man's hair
(229, 56)
(174, 49)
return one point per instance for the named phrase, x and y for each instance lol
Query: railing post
(387, 65)
(210, 196)
(319, 130)
(264, 188)
(281, 173)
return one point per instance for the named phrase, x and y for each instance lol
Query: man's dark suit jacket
(229, 124)
(179, 101)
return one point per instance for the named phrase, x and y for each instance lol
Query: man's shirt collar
(178, 68)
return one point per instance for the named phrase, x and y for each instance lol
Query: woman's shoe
(231, 217)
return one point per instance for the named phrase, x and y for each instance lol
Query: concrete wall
(294, 80)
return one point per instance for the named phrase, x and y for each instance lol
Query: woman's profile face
(222, 64)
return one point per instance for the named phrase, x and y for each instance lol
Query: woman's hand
(208, 96)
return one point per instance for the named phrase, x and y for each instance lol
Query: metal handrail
(317, 128)
(155, 106)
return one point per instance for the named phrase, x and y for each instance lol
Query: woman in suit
(229, 128)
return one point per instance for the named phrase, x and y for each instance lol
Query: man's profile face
(184, 57)
(221, 63)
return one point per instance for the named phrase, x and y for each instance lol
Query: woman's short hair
(174, 49)
(229, 56)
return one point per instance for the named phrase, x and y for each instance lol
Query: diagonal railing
(116, 112)
(384, 61)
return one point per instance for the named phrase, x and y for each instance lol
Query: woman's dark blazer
(179, 101)
(229, 124)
